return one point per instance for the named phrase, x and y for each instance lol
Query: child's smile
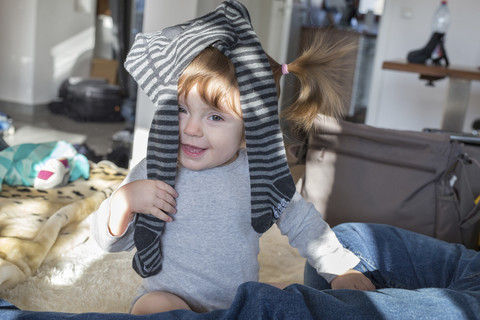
(192, 151)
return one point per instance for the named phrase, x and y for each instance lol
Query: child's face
(208, 137)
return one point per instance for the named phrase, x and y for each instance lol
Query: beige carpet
(87, 279)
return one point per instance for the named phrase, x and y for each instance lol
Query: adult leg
(410, 270)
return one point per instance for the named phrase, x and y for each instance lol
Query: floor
(43, 126)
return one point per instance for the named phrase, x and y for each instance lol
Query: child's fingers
(165, 206)
(365, 284)
(370, 286)
(165, 197)
(160, 214)
(165, 200)
(167, 188)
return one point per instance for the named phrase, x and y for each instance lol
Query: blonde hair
(214, 75)
(318, 70)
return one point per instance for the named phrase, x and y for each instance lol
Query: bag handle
(474, 215)
(471, 218)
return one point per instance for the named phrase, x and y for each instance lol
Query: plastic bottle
(441, 18)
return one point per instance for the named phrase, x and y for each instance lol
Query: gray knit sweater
(211, 248)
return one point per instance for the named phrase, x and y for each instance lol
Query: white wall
(17, 52)
(400, 100)
(43, 43)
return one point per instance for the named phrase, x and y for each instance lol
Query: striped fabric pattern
(156, 61)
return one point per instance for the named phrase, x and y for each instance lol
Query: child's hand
(142, 196)
(352, 279)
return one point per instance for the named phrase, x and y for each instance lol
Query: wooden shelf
(434, 71)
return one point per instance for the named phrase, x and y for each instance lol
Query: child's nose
(192, 128)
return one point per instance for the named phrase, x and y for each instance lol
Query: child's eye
(215, 117)
(181, 109)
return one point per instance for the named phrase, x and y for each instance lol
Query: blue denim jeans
(417, 277)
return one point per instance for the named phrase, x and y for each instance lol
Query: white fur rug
(86, 279)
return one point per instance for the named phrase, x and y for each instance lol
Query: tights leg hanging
(148, 258)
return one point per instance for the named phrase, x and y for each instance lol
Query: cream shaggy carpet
(86, 279)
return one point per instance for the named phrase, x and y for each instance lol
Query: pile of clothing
(42, 165)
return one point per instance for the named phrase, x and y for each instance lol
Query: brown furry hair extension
(318, 69)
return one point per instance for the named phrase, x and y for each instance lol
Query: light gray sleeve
(99, 226)
(314, 239)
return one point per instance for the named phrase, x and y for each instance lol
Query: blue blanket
(20, 164)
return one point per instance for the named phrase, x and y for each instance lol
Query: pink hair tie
(284, 68)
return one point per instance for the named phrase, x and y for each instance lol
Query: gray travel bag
(420, 181)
